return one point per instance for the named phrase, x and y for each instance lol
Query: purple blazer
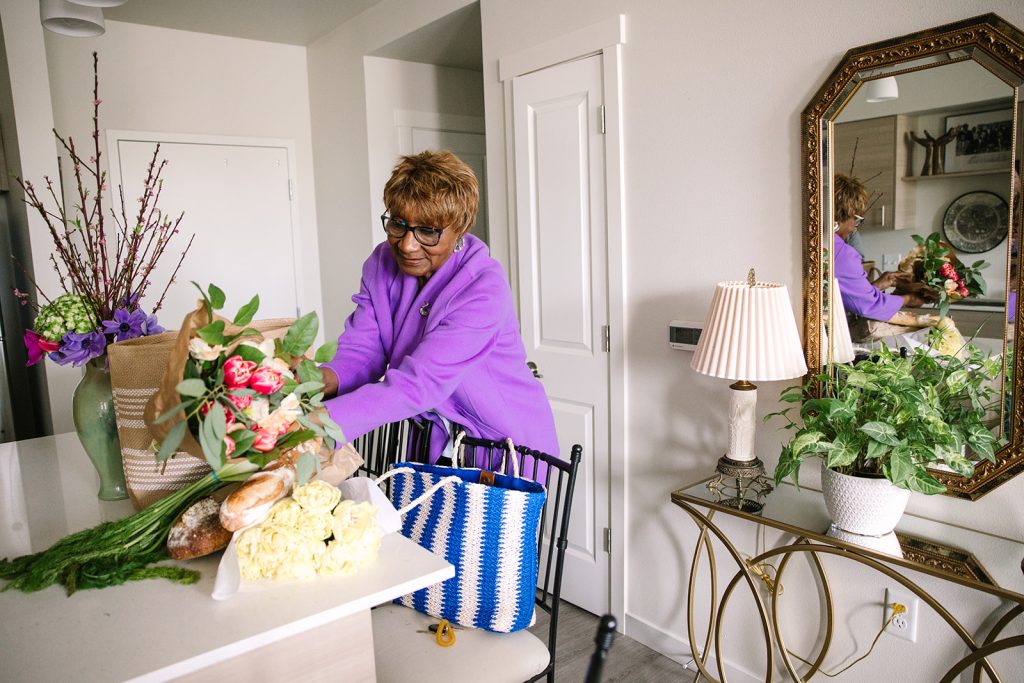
(859, 295)
(453, 347)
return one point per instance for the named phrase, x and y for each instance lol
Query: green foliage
(895, 416)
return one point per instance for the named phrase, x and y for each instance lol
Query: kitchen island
(156, 630)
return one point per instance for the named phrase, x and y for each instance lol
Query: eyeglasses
(427, 236)
(858, 221)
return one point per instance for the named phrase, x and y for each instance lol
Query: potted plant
(878, 425)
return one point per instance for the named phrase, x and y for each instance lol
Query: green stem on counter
(113, 552)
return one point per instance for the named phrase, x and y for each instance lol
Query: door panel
(236, 200)
(561, 242)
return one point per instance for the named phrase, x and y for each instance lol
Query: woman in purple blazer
(435, 334)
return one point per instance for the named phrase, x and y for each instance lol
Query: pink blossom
(266, 381)
(962, 291)
(265, 440)
(241, 402)
(205, 409)
(97, 103)
(229, 446)
(238, 372)
(946, 270)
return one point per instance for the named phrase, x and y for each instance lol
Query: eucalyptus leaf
(250, 353)
(173, 412)
(307, 387)
(309, 372)
(190, 387)
(171, 442)
(212, 334)
(305, 467)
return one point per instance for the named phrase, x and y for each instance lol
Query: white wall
(712, 100)
(338, 102)
(393, 85)
(167, 81)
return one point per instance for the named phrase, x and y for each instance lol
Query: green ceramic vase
(93, 411)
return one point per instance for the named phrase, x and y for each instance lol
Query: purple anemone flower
(151, 326)
(125, 325)
(79, 349)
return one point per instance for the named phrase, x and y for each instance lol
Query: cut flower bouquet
(933, 262)
(251, 407)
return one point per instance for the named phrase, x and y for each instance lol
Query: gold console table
(982, 562)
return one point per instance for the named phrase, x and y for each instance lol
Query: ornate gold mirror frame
(999, 48)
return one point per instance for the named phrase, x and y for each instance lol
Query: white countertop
(152, 630)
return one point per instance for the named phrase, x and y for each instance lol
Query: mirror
(931, 123)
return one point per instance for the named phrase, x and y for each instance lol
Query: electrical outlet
(890, 261)
(903, 625)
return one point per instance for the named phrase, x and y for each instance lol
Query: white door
(562, 251)
(236, 201)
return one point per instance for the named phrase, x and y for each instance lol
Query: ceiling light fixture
(881, 90)
(70, 19)
(99, 3)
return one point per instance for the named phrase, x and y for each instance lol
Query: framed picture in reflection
(984, 142)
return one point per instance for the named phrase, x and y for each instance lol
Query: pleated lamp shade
(750, 334)
(842, 344)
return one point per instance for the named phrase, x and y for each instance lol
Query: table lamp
(838, 346)
(750, 335)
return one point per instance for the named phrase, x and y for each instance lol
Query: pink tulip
(229, 417)
(229, 446)
(237, 372)
(265, 441)
(962, 291)
(241, 402)
(266, 381)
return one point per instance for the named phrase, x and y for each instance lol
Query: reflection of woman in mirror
(860, 295)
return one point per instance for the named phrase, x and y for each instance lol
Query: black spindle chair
(403, 653)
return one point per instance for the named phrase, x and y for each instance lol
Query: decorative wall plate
(976, 222)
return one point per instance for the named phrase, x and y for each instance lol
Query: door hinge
(601, 118)
(607, 540)
(291, 190)
(606, 338)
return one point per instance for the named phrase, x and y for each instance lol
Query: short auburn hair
(436, 187)
(851, 198)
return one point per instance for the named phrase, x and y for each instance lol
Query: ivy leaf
(217, 297)
(301, 334)
(247, 312)
(189, 387)
(171, 442)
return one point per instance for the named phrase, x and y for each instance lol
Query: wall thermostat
(684, 335)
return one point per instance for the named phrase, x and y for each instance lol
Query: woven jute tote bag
(136, 368)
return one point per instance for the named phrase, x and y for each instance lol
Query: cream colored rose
(289, 514)
(346, 557)
(317, 496)
(283, 416)
(278, 365)
(200, 350)
(352, 520)
(950, 286)
(270, 551)
(258, 410)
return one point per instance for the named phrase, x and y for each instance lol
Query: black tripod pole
(603, 640)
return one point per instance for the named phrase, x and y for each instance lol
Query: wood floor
(628, 660)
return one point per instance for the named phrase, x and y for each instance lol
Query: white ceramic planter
(871, 507)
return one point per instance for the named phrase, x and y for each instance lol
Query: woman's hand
(330, 380)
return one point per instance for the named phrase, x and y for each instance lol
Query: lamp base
(741, 484)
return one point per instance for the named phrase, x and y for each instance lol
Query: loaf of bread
(252, 501)
(197, 532)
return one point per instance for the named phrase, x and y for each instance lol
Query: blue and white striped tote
(487, 531)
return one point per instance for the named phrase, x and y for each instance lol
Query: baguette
(197, 532)
(252, 501)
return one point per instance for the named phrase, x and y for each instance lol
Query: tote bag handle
(426, 494)
(457, 454)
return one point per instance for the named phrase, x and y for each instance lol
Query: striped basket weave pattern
(136, 367)
(489, 533)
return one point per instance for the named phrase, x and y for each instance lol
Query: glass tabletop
(988, 563)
